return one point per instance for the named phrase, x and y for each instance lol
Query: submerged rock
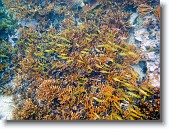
(133, 19)
(145, 35)
(141, 69)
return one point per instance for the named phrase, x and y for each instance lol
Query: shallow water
(80, 59)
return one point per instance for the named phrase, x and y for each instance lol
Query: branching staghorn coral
(46, 15)
(46, 12)
(82, 71)
(78, 74)
(151, 107)
(105, 14)
(157, 13)
(144, 9)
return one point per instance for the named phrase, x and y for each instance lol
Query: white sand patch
(6, 107)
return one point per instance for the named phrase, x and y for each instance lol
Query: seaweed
(81, 71)
(103, 92)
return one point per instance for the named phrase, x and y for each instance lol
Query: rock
(131, 40)
(138, 36)
(27, 23)
(151, 69)
(140, 68)
(133, 18)
(151, 66)
(146, 33)
(154, 81)
(141, 34)
(151, 56)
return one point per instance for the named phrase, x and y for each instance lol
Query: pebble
(151, 56)
(151, 66)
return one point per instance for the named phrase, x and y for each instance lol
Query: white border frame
(164, 123)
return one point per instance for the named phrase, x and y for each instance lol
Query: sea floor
(144, 35)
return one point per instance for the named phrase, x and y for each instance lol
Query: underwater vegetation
(157, 13)
(72, 77)
(8, 24)
(82, 69)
